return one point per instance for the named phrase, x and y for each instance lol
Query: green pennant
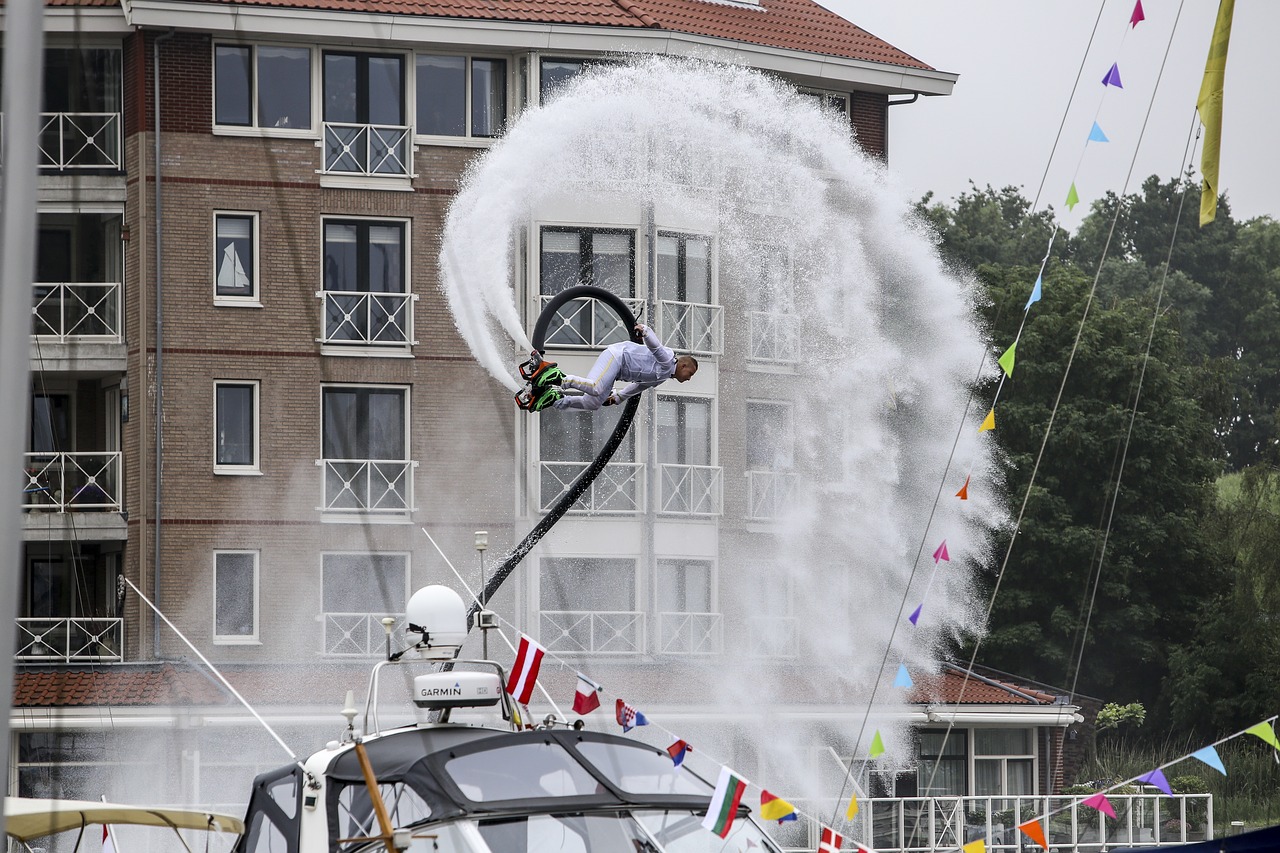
(1264, 731)
(1006, 360)
(877, 745)
(1073, 198)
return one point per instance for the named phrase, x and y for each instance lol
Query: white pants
(595, 387)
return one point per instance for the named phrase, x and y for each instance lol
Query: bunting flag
(1264, 731)
(524, 672)
(1096, 134)
(904, 677)
(628, 717)
(830, 841)
(678, 751)
(1113, 76)
(989, 422)
(1007, 360)
(1209, 756)
(979, 846)
(1035, 291)
(1138, 15)
(852, 811)
(724, 803)
(877, 745)
(587, 697)
(914, 618)
(963, 494)
(1102, 804)
(776, 808)
(1209, 105)
(941, 553)
(1073, 197)
(108, 846)
(1156, 777)
(1032, 829)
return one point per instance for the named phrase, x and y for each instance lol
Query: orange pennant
(1033, 830)
(963, 494)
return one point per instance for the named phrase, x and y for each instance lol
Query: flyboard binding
(543, 378)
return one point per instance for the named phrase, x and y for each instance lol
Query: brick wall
(869, 113)
(186, 82)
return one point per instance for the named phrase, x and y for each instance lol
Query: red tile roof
(951, 687)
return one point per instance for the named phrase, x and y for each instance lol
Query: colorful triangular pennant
(915, 614)
(904, 678)
(1073, 197)
(979, 846)
(1113, 76)
(1264, 731)
(1006, 361)
(1156, 777)
(989, 422)
(852, 812)
(1102, 804)
(1035, 291)
(877, 745)
(1137, 16)
(963, 494)
(1096, 134)
(1209, 756)
(940, 553)
(1035, 831)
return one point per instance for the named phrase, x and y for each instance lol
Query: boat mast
(20, 103)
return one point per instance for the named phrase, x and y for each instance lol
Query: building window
(684, 586)
(597, 256)
(364, 88)
(941, 770)
(263, 86)
(235, 426)
(589, 605)
(770, 439)
(358, 591)
(461, 96)
(235, 596)
(684, 430)
(556, 71)
(568, 443)
(364, 443)
(366, 298)
(684, 268)
(837, 102)
(235, 257)
(1003, 762)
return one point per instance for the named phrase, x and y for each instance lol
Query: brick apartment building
(246, 381)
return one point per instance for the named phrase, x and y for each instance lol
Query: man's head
(686, 366)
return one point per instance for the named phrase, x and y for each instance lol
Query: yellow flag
(852, 811)
(1209, 105)
(989, 422)
(979, 846)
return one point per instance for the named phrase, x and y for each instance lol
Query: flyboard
(588, 476)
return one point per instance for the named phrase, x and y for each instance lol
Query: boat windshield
(641, 771)
(520, 771)
(565, 834)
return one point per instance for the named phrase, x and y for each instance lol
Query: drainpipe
(653, 483)
(159, 279)
(915, 96)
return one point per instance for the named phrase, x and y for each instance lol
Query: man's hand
(640, 330)
(611, 400)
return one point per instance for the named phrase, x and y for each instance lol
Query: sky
(1018, 60)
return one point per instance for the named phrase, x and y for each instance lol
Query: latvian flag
(724, 805)
(524, 672)
(587, 697)
(830, 841)
(628, 717)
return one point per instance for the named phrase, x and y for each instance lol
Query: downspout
(915, 96)
(159, 278)
(653, 472)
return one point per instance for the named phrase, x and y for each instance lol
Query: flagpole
(20, 104)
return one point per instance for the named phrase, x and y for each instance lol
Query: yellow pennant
(989, 422)
(852, 811)
(979, 846)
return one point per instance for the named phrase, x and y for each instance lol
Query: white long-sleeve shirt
(644, 366)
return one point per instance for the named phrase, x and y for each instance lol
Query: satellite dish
(437, 615)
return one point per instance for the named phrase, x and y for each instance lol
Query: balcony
(691, 327)
(367, 486)
(72, 482)
(367, 149)
(617, 632)
(920, 824)
(690, 633)
(691, 490)
(775, 338)
(769, 493)
(70, 640)
(70, 141)
(771, 636)
(67, 312)
(368, 319)
(618, 490)
(358, 634)
(587, 324)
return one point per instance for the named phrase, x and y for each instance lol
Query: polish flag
(524, 673)
(587, 697)
(830, 841)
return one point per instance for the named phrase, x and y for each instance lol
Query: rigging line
(1133, 415)
(1070, 98)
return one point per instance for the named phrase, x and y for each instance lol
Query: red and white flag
(107, 845)
(830, 841)
(524, 672)
(587, 697)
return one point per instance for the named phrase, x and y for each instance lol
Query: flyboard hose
(587, 477)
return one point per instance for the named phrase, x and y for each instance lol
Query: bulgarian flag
(724, 804)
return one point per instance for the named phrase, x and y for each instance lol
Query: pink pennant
(941, 553)
(1137, 15)
(915, 614)
(1102, 804)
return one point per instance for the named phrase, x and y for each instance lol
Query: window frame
(637, 587)
(682, 402)
(406, 243)
(406, 394)
(468, 139)
(585, 251)
(254, 297)
(785, 405)
(253, 128)
(1003, 758)
(827, 95)
(682, 239)
(362, 57)
(682, 563)
(253, 639)
(255, 467)
(406, 558)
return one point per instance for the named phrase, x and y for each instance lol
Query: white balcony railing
(769, 493)
(775, 338)
(67, 311)
(373, 486)
(70, 640)
(80, 140)
(587, 324)
(690, 633)
(359, 634)
(366, 149)
(691, 327)
(771, 636)
(367, 319)
(926, 824)
(691, 489)
(619, 488)
(71, 482)
(614, 632)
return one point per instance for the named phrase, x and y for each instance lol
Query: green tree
(991, 226)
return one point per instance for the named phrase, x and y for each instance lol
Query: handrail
(370, 319)
(70, 639)
(76, 310)
(367, 149)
